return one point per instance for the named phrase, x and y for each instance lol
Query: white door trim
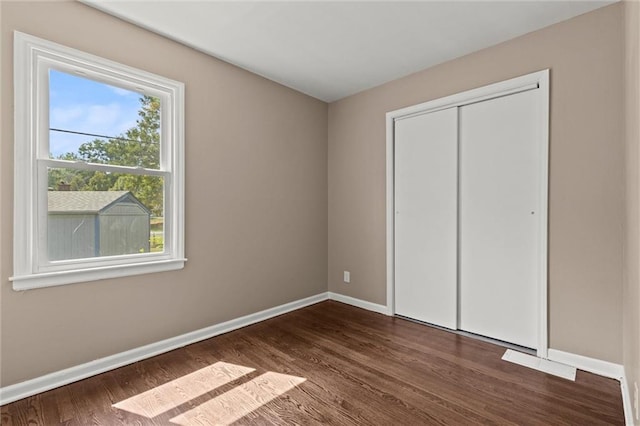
(539, 80)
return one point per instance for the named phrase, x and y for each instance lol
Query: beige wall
(256, 213)
(631, 291)
(585, 55)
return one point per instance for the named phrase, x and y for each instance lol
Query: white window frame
(33, 58)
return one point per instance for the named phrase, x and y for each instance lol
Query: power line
(97, 136)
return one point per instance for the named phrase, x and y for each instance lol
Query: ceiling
(330, 50)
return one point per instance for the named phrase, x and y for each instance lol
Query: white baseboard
(592, 365)
(60, 378)
(601, 368)
(359, 303)
(626, 401)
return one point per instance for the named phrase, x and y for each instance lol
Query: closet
(469, 211)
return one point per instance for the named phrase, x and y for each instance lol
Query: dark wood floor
(327, 364)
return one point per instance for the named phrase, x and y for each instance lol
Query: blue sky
(83, 105)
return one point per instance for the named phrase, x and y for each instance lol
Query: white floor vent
(544, 365)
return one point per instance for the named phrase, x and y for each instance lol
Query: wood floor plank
(327, 364)
(312, 400)
(507, 387)
(351, 378)
(444, 390)
(323, 402)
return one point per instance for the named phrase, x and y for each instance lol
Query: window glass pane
(94, 214)
(100, 123)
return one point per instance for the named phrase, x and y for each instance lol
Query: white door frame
(539, 80)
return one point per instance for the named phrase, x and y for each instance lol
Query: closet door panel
(425, 217)
(500, 159)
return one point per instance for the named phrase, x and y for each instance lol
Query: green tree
(137, 147)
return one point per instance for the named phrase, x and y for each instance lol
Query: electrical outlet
(635, 400)
(346, 277)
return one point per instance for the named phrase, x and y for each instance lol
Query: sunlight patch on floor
(239, 401)
(179, 391)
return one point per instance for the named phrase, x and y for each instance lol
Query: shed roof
(82, 201)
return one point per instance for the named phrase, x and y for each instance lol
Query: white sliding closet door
(425, 217)
(500, 244)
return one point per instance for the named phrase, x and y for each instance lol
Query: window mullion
(108, 168)
(40, 216)
(41, 109)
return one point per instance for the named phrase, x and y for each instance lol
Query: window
(99, 168)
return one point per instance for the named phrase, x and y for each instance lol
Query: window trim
(33, 57)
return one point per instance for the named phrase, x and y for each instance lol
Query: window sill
(50, 279)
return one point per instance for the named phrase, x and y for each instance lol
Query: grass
(156, 242)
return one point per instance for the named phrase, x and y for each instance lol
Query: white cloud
(111, 119)
(108, 119)
(61, 116)
(102, 116)
(126, 125)
(61, 143)
(121, 92)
